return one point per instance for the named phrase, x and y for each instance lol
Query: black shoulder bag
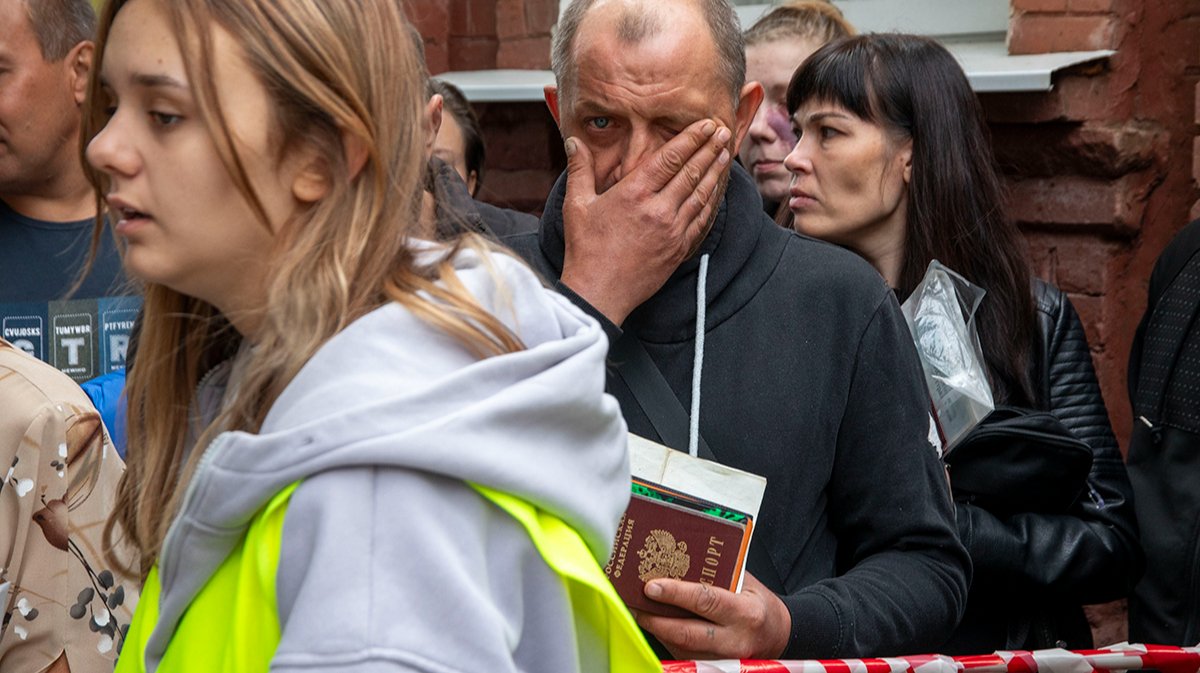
(1020, 460)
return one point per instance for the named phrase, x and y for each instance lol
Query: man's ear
(433, 122)
(551, 93)
(748, 102)
(79, 60)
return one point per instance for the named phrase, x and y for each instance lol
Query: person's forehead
(784, 54)
(671, 71)
(16, 32)
(816, 110)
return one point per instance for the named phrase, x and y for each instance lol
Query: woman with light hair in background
(348, 449)
(775, 46)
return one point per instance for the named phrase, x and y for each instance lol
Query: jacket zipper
(166, 569)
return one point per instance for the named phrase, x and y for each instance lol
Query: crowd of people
(369, 422)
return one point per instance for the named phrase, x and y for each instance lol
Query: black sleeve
(1092, 553)
(611, 330)
(1170, 262)
(903, 573)
(525, 246)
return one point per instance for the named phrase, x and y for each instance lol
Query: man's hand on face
(753, 624)
(622, 245)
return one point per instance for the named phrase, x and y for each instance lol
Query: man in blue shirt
(46, 203)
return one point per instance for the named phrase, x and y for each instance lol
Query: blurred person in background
(46, 205)
(456, 154)
(63, 607)
(775, 46)
(1164, 447)
(459, 141)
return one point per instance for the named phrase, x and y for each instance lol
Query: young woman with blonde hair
(348, 449)
(775, 46)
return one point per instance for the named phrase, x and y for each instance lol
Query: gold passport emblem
(662, 557)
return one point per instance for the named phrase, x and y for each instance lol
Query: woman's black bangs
(837, 73)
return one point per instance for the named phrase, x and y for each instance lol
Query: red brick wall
(524, 148)
(485, 34)
(524, 154)
(1101, 168)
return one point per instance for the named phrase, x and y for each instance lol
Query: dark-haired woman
(775, 45)
(893, 162)
(459, 140)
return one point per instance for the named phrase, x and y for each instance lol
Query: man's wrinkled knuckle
(671, 159)
(693, 640)
(707, 600)
(661, 216)
(639, 196)
(692, 175)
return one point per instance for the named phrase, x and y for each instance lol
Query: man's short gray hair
(60, 25)
(635, 26)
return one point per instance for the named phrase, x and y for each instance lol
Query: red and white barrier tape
(1121, 657)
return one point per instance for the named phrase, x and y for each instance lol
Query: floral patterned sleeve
(59, 474)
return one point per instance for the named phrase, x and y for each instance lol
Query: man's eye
(600, 122)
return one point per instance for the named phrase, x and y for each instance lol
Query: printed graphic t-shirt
(85, 335)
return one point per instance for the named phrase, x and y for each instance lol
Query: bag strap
(654, 394)
(670, 421)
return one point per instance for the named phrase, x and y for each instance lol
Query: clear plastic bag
(941, 317)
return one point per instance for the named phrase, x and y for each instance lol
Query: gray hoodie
(389, 560)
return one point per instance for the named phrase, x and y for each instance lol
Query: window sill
(987, 63)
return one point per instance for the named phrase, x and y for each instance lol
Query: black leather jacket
(1033, 572)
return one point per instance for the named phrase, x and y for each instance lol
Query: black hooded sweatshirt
(810, 379)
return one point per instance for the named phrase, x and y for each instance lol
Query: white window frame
(947, 20)
(973, 30)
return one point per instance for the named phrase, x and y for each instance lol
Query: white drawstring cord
(698, 358)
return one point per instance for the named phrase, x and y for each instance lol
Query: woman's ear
(433, 122)
(905, 158)
(312, 178)
(472, 183)
(311, 183)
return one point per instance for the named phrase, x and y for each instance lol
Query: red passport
(677, 538)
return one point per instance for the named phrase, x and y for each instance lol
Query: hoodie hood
(391, 390)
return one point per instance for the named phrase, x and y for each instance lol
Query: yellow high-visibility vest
(232, 623)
